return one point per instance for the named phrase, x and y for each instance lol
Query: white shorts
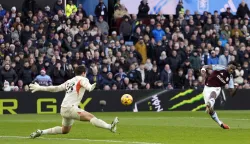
(69, 114)
(208, 90)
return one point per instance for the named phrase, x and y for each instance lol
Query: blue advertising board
(166, 6)
(212, 5)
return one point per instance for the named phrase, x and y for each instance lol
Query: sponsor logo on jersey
(221, 79)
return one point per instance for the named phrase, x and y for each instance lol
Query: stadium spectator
(26, 74)
(102, 25)
(8, 74)
(179, 9)
(43, 79)
(143, 9)
(243, 10)
(142, 49)
(239, 73)
(125, 28)
(167, 76)
(58, 74)
(101, 10)
(158, 33)
(29, 5)
(2, 12)
(179, 79)
(227, 14)
(58, 6)
(152, 76)
(213, 59)
(225, 58)
(120, 11)
(70, 8)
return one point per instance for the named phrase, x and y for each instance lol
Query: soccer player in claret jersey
(220, 76)
(75, 89)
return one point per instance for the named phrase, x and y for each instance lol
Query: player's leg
(64, 129)
(210, 107)
(86, 116)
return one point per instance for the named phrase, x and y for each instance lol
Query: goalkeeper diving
(70, 111)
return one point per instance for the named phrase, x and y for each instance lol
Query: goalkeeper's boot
(114, 124)
(36, 134)
(224, 126)
(209, 108)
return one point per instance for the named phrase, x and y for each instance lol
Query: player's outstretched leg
(51, 131)
(86, 116)
(212, 113)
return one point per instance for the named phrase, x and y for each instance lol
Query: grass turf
(137, 128)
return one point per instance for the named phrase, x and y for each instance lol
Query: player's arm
(36, 87)
(85, 84)
(214, 67)
(232, 87)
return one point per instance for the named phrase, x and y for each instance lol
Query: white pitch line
(90, 140)
(126, 118)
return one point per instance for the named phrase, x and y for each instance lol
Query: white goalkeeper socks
(51, 131)
(215, 118)
(100, 123)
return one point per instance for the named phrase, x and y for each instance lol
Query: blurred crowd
(46, 45)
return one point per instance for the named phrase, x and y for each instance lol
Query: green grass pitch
(134, 128)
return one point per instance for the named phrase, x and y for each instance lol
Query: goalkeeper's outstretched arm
(36, 87)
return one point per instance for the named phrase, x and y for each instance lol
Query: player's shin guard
(215, 117)
(100, 123)
(52, 131)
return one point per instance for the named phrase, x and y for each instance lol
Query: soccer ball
(127, 99)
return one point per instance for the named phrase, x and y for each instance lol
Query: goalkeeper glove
(35, 87)
(92, 87)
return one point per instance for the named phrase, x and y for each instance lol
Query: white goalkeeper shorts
(208, 90)
(69, 114)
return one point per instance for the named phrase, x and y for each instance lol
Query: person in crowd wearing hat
(43, 79)
(2, 11)
(113, 36)
(213, 59)
(13, 12)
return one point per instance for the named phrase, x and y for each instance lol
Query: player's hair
(80, 69)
